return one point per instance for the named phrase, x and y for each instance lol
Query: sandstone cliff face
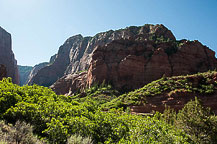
(7, 56)
(75, 54)
(129, 64)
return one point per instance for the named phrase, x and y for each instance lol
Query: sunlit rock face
(7, 58)
(76, 53)
(131, 62)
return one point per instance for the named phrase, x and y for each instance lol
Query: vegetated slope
(24, 72)
(171, 91)
(56, 118)
(75, 54)
(64, 119)
(7, 59)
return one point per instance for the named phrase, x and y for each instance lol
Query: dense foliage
(82, 118)
(56, 118)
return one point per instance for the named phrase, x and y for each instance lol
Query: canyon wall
(7, 59)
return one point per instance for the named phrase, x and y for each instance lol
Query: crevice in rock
(171, 65)
(149, 59)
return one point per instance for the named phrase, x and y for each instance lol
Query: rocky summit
(8, 64)
(129, 58)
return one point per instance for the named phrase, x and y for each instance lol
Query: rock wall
(34, 71)
(3, 71)
(130, 64)
(7, 56)
(75, 54)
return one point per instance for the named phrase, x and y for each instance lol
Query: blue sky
(39, 27)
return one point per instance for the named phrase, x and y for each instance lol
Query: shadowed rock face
(27, 73)
(75, 54)
(3, 71)
(129, 64)
(34, 71)
(7, 56)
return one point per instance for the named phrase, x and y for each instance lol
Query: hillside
(171, 91)
(89, 116)
(111, 91)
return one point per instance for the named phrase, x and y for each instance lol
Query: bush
(19, 133)
(77, 139)
(198, 122)
(195, 120)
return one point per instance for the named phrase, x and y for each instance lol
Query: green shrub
(198, 122)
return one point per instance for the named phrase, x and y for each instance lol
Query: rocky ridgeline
(8, 64)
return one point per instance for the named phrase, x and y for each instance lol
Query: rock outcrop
(75, 54)
(129, 64)
(7, 56)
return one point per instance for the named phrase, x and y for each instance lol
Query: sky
(40, 27)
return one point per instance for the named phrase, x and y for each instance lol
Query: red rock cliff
(129, 64)
(75, 54)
